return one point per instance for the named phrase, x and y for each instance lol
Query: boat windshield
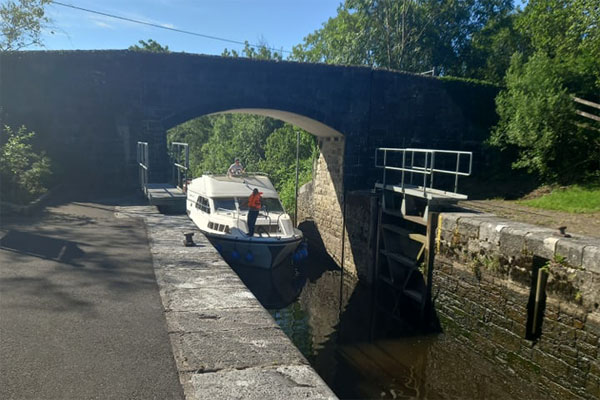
(269, 204)
(224, 203)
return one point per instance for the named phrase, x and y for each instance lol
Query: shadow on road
(45, 247)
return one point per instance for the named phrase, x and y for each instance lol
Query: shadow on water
(362, 353)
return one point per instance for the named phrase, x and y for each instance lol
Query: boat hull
(265, 253)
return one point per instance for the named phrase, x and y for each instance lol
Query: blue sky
(280, 23)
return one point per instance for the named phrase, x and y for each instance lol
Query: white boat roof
(225, 186)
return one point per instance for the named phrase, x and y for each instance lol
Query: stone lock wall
(321, 202)
(484, 280)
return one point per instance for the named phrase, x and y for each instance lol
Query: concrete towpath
(226, 345)
(80, 311)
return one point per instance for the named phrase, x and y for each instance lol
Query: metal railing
(180, 155)
(422, 162)
(143, 164)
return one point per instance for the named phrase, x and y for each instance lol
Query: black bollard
(189, 242)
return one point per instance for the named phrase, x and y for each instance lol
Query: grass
(573, 199)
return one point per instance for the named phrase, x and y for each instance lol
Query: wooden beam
(588, 115)
(586, 102)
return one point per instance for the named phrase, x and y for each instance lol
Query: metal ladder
(407, 222)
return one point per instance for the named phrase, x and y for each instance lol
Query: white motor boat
(218, 205)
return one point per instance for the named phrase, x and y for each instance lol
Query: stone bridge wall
(89, 108)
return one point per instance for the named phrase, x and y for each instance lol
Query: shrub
(23, 172)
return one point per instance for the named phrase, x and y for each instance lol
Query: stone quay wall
(484, 286)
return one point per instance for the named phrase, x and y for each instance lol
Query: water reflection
(275, 288)
(365, 355)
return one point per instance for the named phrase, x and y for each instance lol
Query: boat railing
(244, 175)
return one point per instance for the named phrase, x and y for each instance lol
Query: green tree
(21, 23)
(23, 172)
(280, 156)
(262, 52)
(150, 46)
(492, 48)
(195, 133)
(537, 114)
(409, 35)
(236, 135)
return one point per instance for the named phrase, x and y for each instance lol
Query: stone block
(569, 351)
(522, 366)
(592, 326)
(489, 232)
(215, 350)
(541, 244)
(206, 299)
(182, 278)
(505, 338)
(512, 242)
(468, 227)
(551, 364)
(517, 314)
(591, 258)
(285, 382)
(592, 387)
(220, 320)
(572, 250)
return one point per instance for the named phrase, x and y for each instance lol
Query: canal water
(362, 355)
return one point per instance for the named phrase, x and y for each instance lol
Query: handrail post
(384, 166)
(425, 175)
(432, 167)
(456, 174)
(403, 161)
(412, 164)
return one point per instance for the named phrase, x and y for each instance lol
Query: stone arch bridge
(89, 108)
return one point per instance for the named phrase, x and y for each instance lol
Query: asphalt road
(80, 312)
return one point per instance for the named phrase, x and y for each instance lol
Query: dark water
(364, 355)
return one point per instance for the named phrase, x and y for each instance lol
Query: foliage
(280, 151)
(492, 47)
(150, 46)
(23, 172)
(236, 135)
(195, 133)
(574, 199)
(537, 114)
(21, 23)
(409, 35)
(263, 144)
(262, 52)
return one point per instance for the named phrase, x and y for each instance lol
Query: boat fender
(249, 256)
(235, 254)
(304, 252)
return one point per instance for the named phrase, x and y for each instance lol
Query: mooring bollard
(189, 242)
(563, 231)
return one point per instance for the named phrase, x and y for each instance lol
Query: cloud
(103, 24)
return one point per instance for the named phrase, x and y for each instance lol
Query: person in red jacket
(253, 209)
